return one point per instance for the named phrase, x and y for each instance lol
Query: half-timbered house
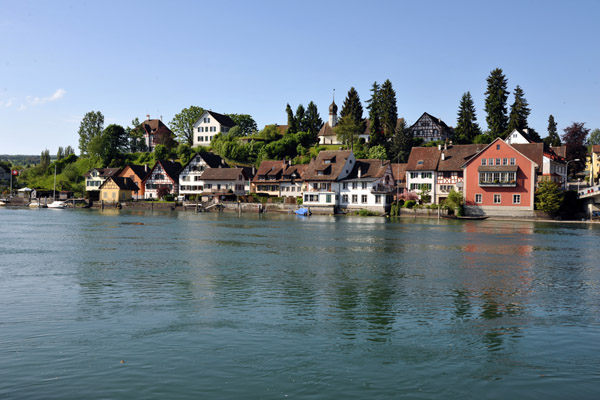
(165, 173)
(430, 128)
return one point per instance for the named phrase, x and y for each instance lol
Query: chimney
(445, 146)
(148, 116)
(359, 172)
(443, 156)
(161, 117)
(145, 167)
(439, 147)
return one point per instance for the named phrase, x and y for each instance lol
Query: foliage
(161, 152)
(594, 137)
(352, 107)
(425, 196)
(110, 144)
(347, 130)
(312, 121)
(548, 197)
(245, 123)
(467, 128)
(410, 204)
(552, 139)
(363, 212)
(377, 152)
(162, 191)
(136, 136)
(455, 202)
(91, 126)
(409, 196)
(68, 151)
(574, 138)
(395, 208)
(495, 103)
(373, 105)
(388, 109)
(184, 152)
(182, 124)
(402, 143)
(60, 153)
(519, 111)
(484, 138)
(45, 159)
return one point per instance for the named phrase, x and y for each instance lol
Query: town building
(500, 181)
(208, 125)
(137, 174)
(369, 186)
(118, 189)
(449, 172)
(190, 175)
(430, 128)
(155, 132)
(290, 184)
(95, 177)
(221, 182)
(268, 178)
(421, 171)
(165, 173)
(323, 176)
(399, 173)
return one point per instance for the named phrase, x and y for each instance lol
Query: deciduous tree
(594, 137)
(182, 124)
(548, 197)
(574, 139)
(91, 126)
(495, 103)
(245, 122)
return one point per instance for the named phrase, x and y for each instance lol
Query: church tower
(333, 113)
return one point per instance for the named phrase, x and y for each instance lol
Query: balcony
(498, 183)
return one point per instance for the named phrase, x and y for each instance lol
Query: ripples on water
(216, 306)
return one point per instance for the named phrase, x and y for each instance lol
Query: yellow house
(592, 163)
(117, 189)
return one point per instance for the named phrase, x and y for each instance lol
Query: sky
(128, 59)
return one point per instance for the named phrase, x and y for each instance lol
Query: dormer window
(420, 162)
(327, 161)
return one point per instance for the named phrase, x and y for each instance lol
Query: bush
(365, 213)
(410, 204)
(168, 197)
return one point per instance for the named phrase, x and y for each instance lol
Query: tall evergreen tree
(519, 111)
(495, 103)
(300, 121)
(352, 106)
(388, 109)
(291, 120)
(552, 139)
(402, 143)
(313, 121)
(373, 105)
(467, 127)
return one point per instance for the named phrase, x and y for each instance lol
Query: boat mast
(54, 190)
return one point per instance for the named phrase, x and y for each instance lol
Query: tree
(352, 106)
(91, 126)
(347, 130)
(45, 159)
(182, 123)
(109, 145)
(594, 137)
(388, 109)
(455, 202)
(136, 136)
(495, 103)
(552, 139)
(519, 111)
(402, 143)
(68, 151)
(184, 152)
(162, 191)
(377, 152)
(313, 121)
(574, 139)
(467, 127)
(300, 121)
(374, 106)
(60, 153)
(246, 123)
(548, 197)
(161, 152)
(291, 120)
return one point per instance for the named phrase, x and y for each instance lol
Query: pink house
(500, 181)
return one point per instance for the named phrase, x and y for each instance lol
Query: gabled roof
(509, 145)
(211, 159)
(104, 172)
(423, 159)
(122, 183)
(435, 119)
(269, 167)
(223, 174)
(171, 168)
(330, 162)
(369, 169)
(399, 171)
(456, 155)
(154, 126)
(533, 151)
(596, 148)
(220, 118)
(326, 130)
(139, 170)
(297, 169)
(560, 151)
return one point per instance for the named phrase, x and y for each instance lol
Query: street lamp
(567, 172)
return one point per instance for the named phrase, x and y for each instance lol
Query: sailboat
(56, 204)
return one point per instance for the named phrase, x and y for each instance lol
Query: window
(516, 199)
(363, 198)
(505, 161)
(354, 185)
(497, 199)
(497, 147)
(497, 161)
(491, 162)
(414, 175)
(201, 138)
(513, 161)
(377, 199)
(426, 175)
(478, 198)
(484, 161)
(328, 198)
(345, 198)
(355, 198)
(345, 185)
(364, 185)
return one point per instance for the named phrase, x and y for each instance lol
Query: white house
(421, 170)
(223, 182)
(165, 173)
(189, 177)
(322, 178)
(290, 184)
(208, 125)
(95, 177)
(370, 186)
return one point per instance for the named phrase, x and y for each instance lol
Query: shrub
(410, 204)
(365, 213)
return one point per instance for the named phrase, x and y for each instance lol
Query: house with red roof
(165, 173)
(323, 177)
(156, 132)
(369, 186)
(268, 177)
(208, 125)
(500, 180)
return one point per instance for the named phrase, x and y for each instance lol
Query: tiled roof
(369, 168)
(104, 172)
(560, 151)
(455, 156)
(298, 169)
(123, 183)
(533, 151)
(596, 148)
(222, 174)
(154, 126)
(211, 159)
(326, 130)
(171, 168)
(269, 167)
(435, 119)
(139, 170)
(423, 159)
(332, 170)
(399, 171)
(222, 119)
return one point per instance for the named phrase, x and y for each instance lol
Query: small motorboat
(36, 204)
(303, 212)
(57, 204)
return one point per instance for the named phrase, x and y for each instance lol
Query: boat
(466, 217)
(57, 204)
(2, 203)
(37, 204)
(303, 212)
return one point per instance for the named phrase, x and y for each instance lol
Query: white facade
(189, 178)
(372, 194)
(93, 181)
(422, 181)
(206, 128)
(290, 189)
(515, 137)
(327, 192)
(157, 179)
(237, 187)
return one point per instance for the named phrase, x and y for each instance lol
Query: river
(177, 305)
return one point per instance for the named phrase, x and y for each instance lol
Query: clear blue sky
(61, 59)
